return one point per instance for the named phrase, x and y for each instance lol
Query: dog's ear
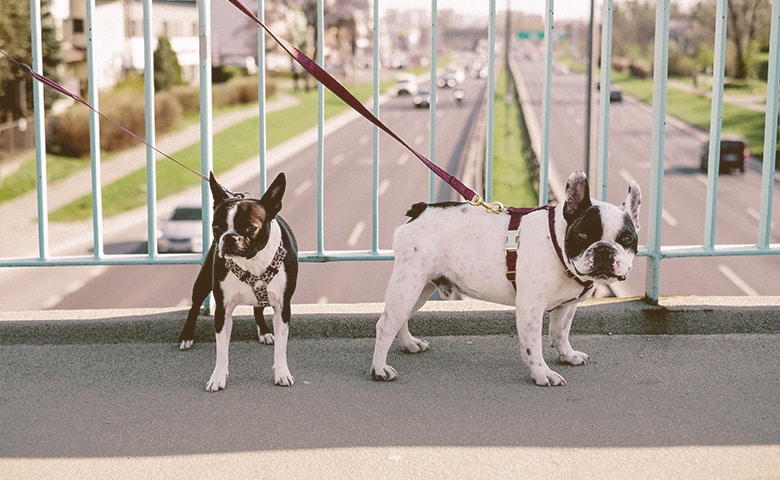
(632, 203)
(219, 192)
(272, 198)
(577, 195)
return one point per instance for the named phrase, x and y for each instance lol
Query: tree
(16, 86)
(167, 71)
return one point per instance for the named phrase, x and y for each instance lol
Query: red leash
(56, 86)
(345, 95)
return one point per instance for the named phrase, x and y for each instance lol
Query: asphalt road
(347, 210)
(684, 187)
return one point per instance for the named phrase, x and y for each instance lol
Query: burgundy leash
(347, 97)
(56, 86)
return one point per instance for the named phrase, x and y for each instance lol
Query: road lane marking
(356, 233)
(337, 159)
(364, 139)
(303, 187)
(322, 301)
(737, 280)
(668, 218)
(403, 158)
(625, 175)
(383, 186)
(757, 215)
(419, 139)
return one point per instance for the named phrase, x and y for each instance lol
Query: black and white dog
(255, 262)
(202, 287)
(553, 258)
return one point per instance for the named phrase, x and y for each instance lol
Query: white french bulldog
(555, 255)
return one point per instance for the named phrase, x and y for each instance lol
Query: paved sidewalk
(646, 407)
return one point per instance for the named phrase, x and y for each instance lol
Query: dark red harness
(513, 239)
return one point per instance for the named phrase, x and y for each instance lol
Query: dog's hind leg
(200, 290)
(402, 299)
(264, 334)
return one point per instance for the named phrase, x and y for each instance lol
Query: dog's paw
(186, 344)
(384, 374)
(546, 377)
(217, 381)
(284, 379)
(415, 346)
(574, 358)
(267, 339)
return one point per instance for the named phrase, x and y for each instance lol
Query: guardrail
(653, 249)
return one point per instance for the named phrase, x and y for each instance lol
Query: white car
(183, 231)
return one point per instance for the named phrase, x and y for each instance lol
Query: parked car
(406, 86)
(734, 153)
(615, 95)
(422, 99)
(183, 231)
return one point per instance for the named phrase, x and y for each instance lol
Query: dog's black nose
(603, 253)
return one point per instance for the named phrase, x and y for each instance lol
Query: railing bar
(151, 170)
(320, 129)
(716, 113)
(770, 128)
(94, 136)
(206, 113)
(544, 162)
(40, 130)
(605, 84)
(261, 92)
(491, 93)
(657, 149)
(434, 96)
(375, 184)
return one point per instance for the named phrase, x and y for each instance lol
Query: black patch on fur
(583, 231)
(627, 238)
(418, 208)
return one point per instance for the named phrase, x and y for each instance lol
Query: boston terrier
(202, 287)
(255, 263)
(544, 259)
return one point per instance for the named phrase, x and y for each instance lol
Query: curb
(633, 316)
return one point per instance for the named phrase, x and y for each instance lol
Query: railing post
(605, 86)
(770, 129)
(40, 129)
(544, 170)
(94, 135)
(657, 148)
(151, 170)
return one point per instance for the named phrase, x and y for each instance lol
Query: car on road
(406, 86)
(422, 99)
(734, 153)
(182, 231)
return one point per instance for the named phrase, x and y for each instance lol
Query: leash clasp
(494, 207)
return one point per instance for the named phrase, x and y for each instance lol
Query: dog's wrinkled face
(241, 227)
(601, 238)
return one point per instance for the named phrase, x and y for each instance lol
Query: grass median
(231, 147)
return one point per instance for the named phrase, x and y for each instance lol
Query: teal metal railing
(653, 249)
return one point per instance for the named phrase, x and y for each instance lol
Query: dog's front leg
(529, 330)
(560, 324)
(223, 324)
(282, 375)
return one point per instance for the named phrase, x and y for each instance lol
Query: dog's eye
(251, 229)
(626, 239)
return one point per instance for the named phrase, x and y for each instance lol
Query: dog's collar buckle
(512, 241)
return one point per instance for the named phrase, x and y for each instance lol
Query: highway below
(347, 190)
(685, 187)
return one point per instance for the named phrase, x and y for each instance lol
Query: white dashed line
(356, 233)
(736, 280)
(757, 216)
(300, 189)
(419, 139)
(402, 159)
(364, 139)
(383, 186)
(668, 218)
(337, 159)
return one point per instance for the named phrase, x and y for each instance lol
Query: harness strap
(259, 283)
(513, 243)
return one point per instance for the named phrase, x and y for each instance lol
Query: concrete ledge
(616, 316)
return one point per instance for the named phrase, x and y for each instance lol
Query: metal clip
(512, 241)
(495, 207)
